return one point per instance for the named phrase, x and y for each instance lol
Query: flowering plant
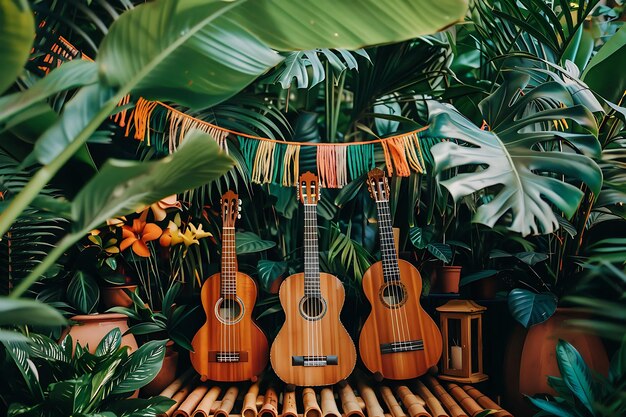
(150, 246)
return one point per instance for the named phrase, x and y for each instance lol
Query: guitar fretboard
(311, 251)
(391, 272)
(229, 263)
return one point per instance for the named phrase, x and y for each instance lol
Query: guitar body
(229, 346)
(397, 316)
(301, 338)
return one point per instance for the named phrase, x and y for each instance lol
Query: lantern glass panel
(454, 344)
(474, 344)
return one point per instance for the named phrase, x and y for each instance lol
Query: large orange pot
(116, 296)
(91, 329)
(531, 357)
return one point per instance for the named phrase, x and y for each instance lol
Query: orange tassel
(327, 166)
(395, 154)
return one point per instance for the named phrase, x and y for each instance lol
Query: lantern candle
(456, 357)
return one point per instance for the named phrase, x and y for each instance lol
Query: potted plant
(146, 324)
(56, 382)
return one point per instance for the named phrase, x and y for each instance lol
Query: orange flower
(138, 235)
(158, 208)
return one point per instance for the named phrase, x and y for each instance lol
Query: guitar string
(383, 243)
(306, 280)
(395, 268)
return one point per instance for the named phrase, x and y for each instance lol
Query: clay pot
(91, 329)
(486, 288)
(166, 375)
(116, 296)
(531, 357)
(448, 278)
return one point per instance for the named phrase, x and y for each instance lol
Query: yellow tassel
(175, 120)
(291, 167)
(413, 155)
(263, 167)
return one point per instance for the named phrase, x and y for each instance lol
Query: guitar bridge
(228, 357)
(314, 360)
(406, 346)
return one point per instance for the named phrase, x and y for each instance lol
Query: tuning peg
(239, 216)
(221, 202)
(240, 201)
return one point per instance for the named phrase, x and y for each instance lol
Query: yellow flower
(199, 233)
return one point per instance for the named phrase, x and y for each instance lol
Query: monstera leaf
(518, 162)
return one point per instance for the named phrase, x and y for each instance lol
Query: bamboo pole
(371, 402)
(228, 402)
(413, 404)
(309, 401)
(433, 404)
(259, 402)
(204, 409)
(180, 396)
(270, 404)
(467, 402)
(289, 404)
(329, 405)
(177, 384)
(445, 398)
(249, 401)
(486, 402)
(392, 404)
(349, 403)
(190, 403)
(360, 402)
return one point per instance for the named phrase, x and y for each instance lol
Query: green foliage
(582, 393)
(529, 308)
(17, 30)
(83, 383)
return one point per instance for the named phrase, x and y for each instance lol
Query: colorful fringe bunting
(275, 161)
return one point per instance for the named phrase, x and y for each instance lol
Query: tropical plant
(581, 393)
(49, 379)
(171, 320)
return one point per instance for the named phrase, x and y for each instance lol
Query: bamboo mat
(426, 397)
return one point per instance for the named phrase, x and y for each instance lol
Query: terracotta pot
(116, 296)
(91, 329)
(531, 357)
(449, 277)
(166, 375)
(486, 288)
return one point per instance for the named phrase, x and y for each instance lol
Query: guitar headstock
(231, 206)
(308, 189)
(377, 185)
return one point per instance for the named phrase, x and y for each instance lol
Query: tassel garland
(273, 161)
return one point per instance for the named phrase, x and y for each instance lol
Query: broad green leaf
(28, 312)
(45, 348)
(185, 51)
(121, 187)
(20, 357)
(140, 368)
(477, 276)
(617, 370)
(110, 343)
(77, 114)
(420, 236)
(270, 271)
(17, 32)
(68, 396)
(604, 74)
(509, 160)
(530, 308)
(531, 258)
(441, 251)
(575, 373)
(12, 336)
(141, 407)
(248, 242)
(387, 107)
(297, 65)
(287, 25)
(83, 292)
(552, 407)
(69, 75)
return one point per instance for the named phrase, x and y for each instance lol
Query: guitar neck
(391, 271)
(229, 263)
(311, 252)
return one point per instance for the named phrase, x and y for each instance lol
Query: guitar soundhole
(229, 310)
(312, 307)
(393, 295)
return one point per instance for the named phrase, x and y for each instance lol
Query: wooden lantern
(461, 323)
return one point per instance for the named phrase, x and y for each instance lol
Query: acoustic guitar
(229, 346)
(399, 340)
(312, 348)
